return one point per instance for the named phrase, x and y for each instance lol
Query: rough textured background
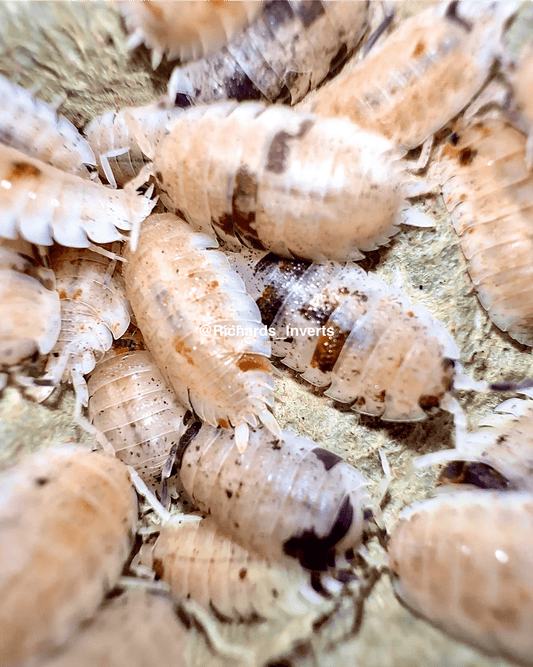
(76, 51)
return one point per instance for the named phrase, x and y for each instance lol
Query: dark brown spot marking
(328, 348)
(242, 573)
(427, 402)
(157, 564)
(185, 351)
(223, 423)
(278, 151)
(20, 170)
(507, 616)
(308, 11)
(253, 362)
(329, 459)
(243, 207)
(466, 156)
(420, 49)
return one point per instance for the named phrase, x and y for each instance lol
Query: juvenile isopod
(200, 562)
(201, 327)
(347, 330)
(94, 311)
(33, 128)
(139, 414)
(281, 497)
(44, 204)
(289, 49)
(489, 192)
(67, 520)
(187, 29)
(31, 319)
(273, 178)
(463, 561)
(423, 74)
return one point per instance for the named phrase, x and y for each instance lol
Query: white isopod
(67, 520)
(463, 561)
(423, 74)
(139, 414)
(43, 204)
(281, 497)
(288, 50)
(489, 192)
(347, 330)
(201, 327)
(94, 311)
(31, 318)
(273, 178)
(33, 128)
(124, 141)
(200, 562)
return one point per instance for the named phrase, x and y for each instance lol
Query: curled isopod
(200, 562)
(423, 74)
(43, 204)
(94, 311)
(31, 318)
(347, 330)
(273, 178)
(489, 192)
(137, 628)
(187, 29)
(201, 327)
(463, 561)
(139, 414)
(281, 497)
(289, 49)
(67, 520)
(33, 128)
(124, 141)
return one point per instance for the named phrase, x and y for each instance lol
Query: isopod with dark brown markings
(347, 330)
(44, 204)
(423, 74)
(289, 49)
(67, 520)
(31, 319)
(273, 178)
(94, 311)
(200, 562)
(203, 330)
(33, 128)
(280, 497)
(139, 414)
(463, 561)
(488, 190)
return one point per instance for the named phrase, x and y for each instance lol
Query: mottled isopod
(43, 204)
(201, 327)
(281, 497)
(347, 330)
(489, 192)
(140, 415)
(423, 74)
(274, 178)
(463, 561)
(287, 51)
(33, 128)
(67, 519)
(199, 561)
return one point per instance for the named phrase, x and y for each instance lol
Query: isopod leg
(106, 167)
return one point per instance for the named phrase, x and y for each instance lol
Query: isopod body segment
(67, 518)
(463, 561)
(274, 178)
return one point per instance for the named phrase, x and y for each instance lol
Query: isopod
(67, 519)
(489, 192)
(124, 141)
(288, 50)
(94, 311)
(199, 561)
(201, 327)
(33, 128)
(273, 178)
(347, 330)
(190, 29)
(423, 74)
(139, 414)
(281, 497)
(43, 204)
(463, 561)
(31, 318)
(137, 628)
